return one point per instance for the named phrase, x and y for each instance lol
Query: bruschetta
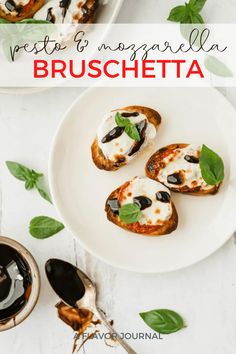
(17, 10)
(177, 167)
(123, 134)
(67, 11)
(142, 206)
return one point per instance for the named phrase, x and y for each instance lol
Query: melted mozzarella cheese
(16, 2)
(175, 163)
(123, 144)
(155, 214)
(72, 14)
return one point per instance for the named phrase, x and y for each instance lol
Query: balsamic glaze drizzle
(191, 159)
(163, 197)
(142, 202)
(141, 126)
(175, 178)
(114, 205)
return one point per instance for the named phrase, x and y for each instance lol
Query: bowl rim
(36, 284)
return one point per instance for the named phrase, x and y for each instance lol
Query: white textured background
(204, 294)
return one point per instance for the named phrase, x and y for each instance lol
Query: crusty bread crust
(105, 164)
(88, 16)
(89, 10)
(28, 12)
(148, 230)
(153, 167)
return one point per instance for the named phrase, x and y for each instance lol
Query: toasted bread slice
(76, 11)
(177, 167)
(118, 151)
(14, 13)
(158, 216)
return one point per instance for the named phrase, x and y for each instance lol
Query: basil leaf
(130, 213)
(3, 21)
(177, 14)
(36, 175)
(163, 321)
(44, 194)
(212, 166)
(129, 126)
(197, 5)
(216, 67)
(29, 184)
(33, 21)
(197, 18)
(30, 177)
(188, 13)
(19, 171)
(42, 227)
(132, 132)
(120, 121)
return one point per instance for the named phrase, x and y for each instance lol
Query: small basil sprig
(212, 166)
(42, 227)
(30, 177)
(26, 20)
(129, 126)
(33, 21)
(163, 321)
(188, 13)
(130, 213)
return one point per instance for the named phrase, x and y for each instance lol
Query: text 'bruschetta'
(122, 135)
(142, 206)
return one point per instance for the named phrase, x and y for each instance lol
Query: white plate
(80, 190)
(107, 13)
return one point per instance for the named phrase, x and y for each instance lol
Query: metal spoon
(77, 290)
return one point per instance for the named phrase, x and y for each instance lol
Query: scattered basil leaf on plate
(130, 213)
(130, 128)
(42, 227)
(216, 67)
(212, 166)
(163, 321)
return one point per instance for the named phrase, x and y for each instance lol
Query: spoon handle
(115, 335)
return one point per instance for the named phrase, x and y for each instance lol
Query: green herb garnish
(163, 321)
(212, 166)
(26, 21)
(188, 13)
(32, 21)
(42, 227)
(130, 213)
(130, 128)
(31, 178)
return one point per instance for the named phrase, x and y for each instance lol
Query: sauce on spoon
(65, 281)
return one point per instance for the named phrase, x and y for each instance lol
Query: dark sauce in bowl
(15, 282)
